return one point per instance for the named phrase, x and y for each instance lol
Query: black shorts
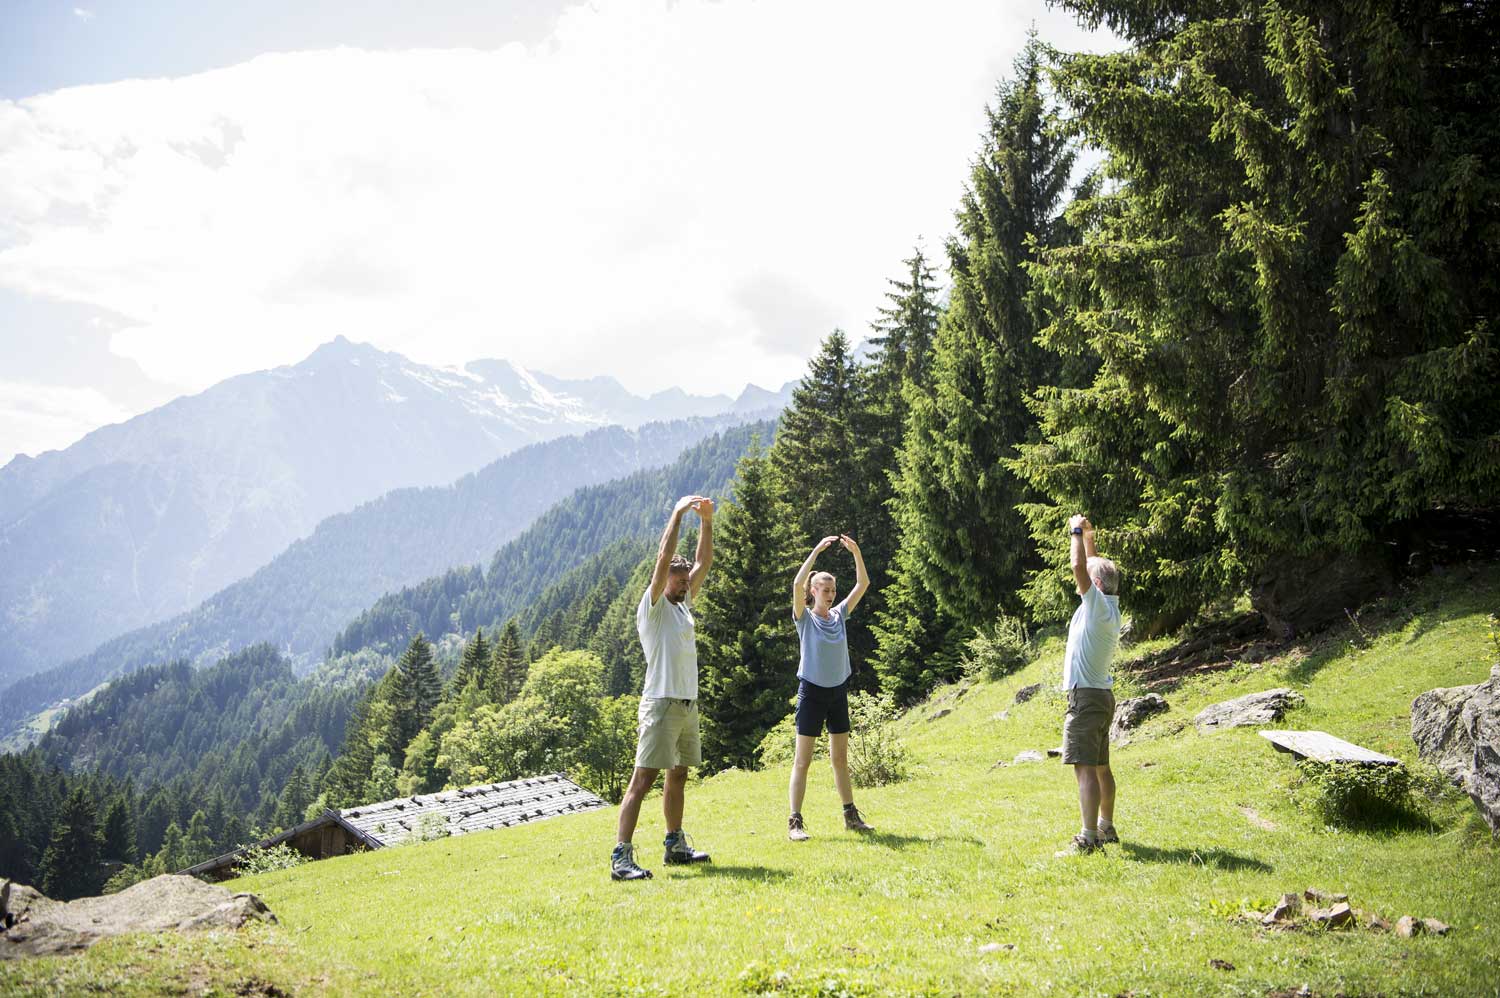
(818, 704)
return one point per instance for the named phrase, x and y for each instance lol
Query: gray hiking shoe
(854, 822)
(794, 829)
(680, 850)
(1081, 845)
(1107, 834)
(622, 864)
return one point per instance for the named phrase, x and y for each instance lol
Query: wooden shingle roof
(472, 809)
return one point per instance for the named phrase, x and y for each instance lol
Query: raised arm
(861, 577)
(799, 584)
(1083, 549)
(668, 547)
(704, 557)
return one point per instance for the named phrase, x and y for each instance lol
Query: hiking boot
(1081, 845)
(622, 864)
(1108, 834)
(680, 850)
(794, 829)
(854, 822)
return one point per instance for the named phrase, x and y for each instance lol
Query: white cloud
(82, 14)
(39, 417)
(690, 192)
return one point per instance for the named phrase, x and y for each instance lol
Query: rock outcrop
(39, 926)
(1457, 728)
(1131, 713)
(1256, 708)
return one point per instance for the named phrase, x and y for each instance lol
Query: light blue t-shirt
(825, 646)
(1093, 635)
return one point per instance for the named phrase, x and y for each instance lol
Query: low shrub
(999, 650)
(258, 859)
(1347, 794)
(876, 755)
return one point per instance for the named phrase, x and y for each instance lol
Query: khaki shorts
(668, 734)
(1086, 726)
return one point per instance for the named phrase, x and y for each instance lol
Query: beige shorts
(668, 734)
(1086, 726)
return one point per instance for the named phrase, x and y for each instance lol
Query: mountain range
(145, 519)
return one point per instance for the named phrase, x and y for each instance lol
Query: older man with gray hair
(1093, 636)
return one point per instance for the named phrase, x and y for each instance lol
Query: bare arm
(1083, 550)
(861, 577)
(799, 584)
(668, 545)
(704, 557)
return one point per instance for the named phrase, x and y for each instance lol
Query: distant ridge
(144, 519)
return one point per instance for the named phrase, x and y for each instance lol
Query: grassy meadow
(957, 893)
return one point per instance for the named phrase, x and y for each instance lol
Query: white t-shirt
(670, 643)
(1093, 635)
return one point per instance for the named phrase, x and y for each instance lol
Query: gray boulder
(1253, 709)
(1027, 692)
(1457, 728)
(163, 903)
(1442, 736)
(1130, 714)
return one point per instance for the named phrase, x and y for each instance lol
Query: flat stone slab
(1248, 711)
(1323, 747)
(168, 902)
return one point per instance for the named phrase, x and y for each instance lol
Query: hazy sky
(690, 193)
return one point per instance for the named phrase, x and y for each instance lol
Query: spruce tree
(415, 693)
(746, 638)
(1290, 286)
(474, 663)
(508, 665)
(914, 640)
(294, 800)
(961, 535)
(818, 466)
(70, 866)
(117, 833)
(197, 841)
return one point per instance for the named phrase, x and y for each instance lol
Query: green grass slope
(963, 858)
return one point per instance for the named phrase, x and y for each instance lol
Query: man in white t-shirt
(1093, 636)
(668, 733)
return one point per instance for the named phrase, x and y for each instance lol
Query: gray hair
(680, 564)
(1107, 573)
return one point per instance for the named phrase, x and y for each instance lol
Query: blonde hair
(813, 580)
(1108, 574)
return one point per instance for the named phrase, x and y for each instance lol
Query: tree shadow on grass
(1218, 858)
(759, 874)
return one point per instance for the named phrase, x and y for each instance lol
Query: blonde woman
(823, 678)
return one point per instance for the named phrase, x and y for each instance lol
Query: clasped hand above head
(702, 505)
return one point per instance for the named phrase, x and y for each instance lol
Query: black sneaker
(680, 850)
(622, 864)
(854, 822)
(794, 829)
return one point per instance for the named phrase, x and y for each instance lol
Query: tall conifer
(746, 639)
(961, 536)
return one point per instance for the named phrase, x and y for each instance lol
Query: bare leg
(797, 790)
(1088, 797)
(838, 753)
(1106, 794)
(672, 797)
(641, 782)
